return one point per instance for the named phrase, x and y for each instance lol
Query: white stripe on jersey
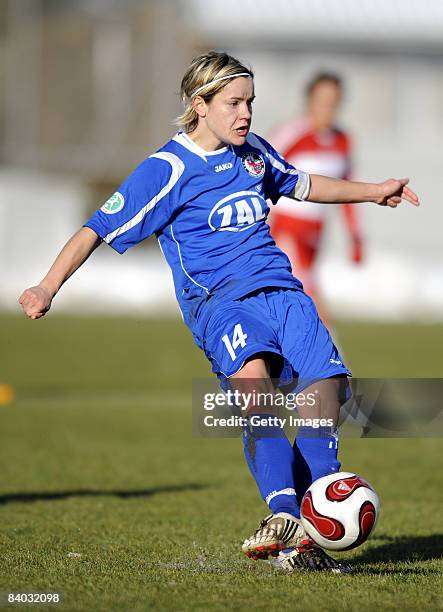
(301, 190)
(177, 170)
(181, 263)
(189, 144)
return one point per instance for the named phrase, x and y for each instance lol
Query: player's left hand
(393, 191)
(36, 301)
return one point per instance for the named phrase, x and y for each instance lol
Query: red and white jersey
(327, 153)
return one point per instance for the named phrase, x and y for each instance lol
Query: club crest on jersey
(254, 164)
(114, 204)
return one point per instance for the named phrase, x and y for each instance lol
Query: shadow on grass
(406, 549)
(50, 496)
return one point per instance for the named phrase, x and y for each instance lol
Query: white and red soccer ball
(339, 511)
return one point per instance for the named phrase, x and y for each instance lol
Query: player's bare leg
(328, 394)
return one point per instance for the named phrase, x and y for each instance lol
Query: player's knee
(254, 386)
(255, 367)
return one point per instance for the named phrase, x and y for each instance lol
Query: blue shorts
(283, 322)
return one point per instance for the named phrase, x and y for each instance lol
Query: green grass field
(106, 496)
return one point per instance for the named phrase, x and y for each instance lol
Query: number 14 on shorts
(238, 339)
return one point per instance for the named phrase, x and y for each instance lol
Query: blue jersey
(208, 211)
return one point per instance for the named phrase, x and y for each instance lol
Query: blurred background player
(314, 144)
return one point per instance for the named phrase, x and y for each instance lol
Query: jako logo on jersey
(114, 204)
(221, 167)
(247, 208)
(253, 163)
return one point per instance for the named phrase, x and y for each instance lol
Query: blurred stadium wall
(90, 87)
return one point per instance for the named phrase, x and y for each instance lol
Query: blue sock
(270, 458)
(315, 455)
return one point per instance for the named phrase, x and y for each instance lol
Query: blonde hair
(214, 69)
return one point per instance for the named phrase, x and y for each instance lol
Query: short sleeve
(142, 205)
(281, 177)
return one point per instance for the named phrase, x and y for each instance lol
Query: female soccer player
(204, 194)
(316, 145)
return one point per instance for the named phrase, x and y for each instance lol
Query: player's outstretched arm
(36, 301)
(336, 191)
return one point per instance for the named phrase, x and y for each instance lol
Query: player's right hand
(35, 301)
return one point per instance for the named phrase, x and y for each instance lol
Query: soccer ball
(339, 511)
